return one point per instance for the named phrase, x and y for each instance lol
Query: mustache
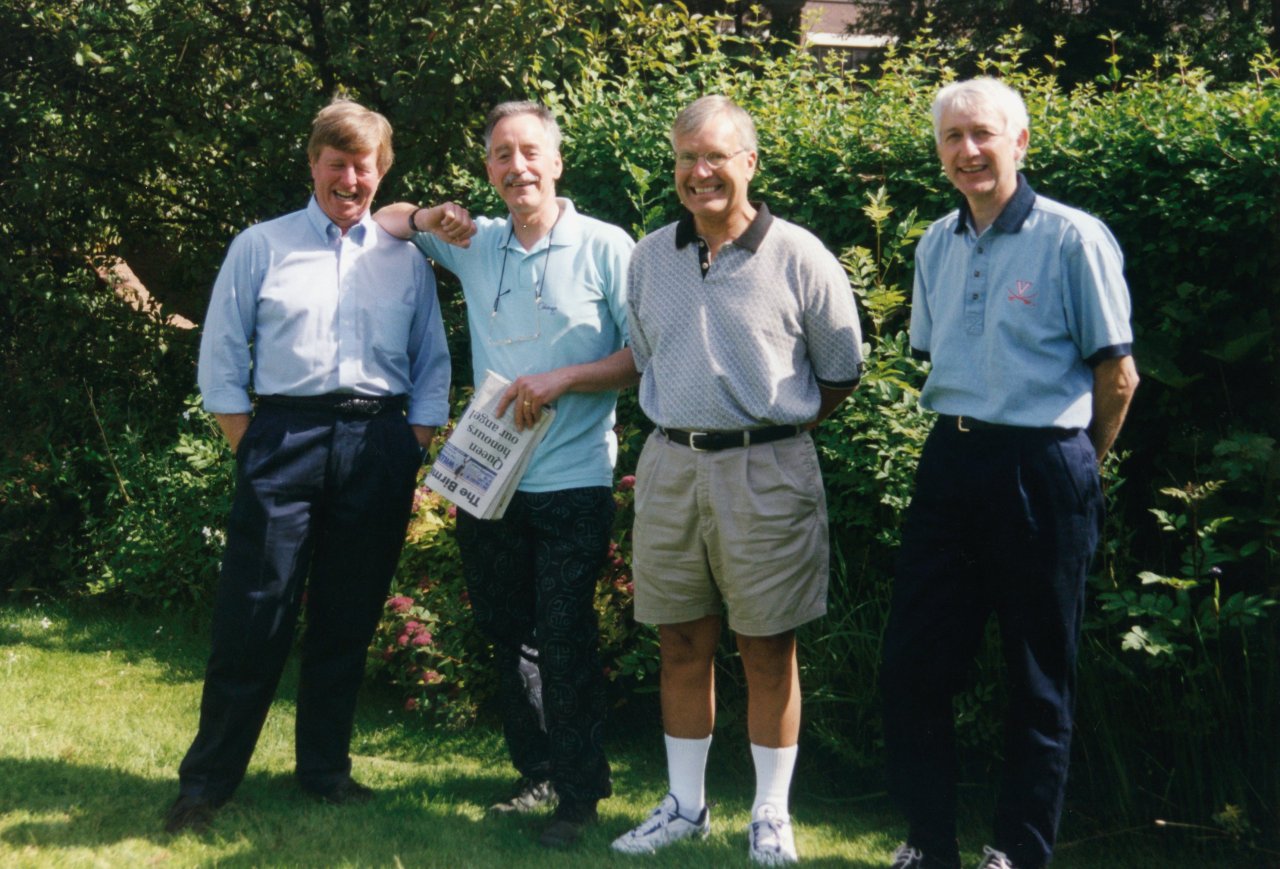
(512, 177)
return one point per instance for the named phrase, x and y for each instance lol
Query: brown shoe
(192, 813)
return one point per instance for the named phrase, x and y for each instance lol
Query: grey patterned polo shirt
(745, 341)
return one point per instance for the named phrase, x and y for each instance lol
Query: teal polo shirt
(1014, 320)
(530, 311)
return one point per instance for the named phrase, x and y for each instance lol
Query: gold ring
(528, 404)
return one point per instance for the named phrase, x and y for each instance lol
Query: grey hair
(982, 91)
(695, 115)
(522, 107)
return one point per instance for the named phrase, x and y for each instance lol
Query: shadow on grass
(271, 822)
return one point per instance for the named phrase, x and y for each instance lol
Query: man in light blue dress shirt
(335, 326)
(1021, 306)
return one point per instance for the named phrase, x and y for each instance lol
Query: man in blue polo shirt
(1021, 306)
(545, 289)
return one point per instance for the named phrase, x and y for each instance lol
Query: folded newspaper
(481, 464)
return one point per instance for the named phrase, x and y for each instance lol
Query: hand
(449, 222)
(529, 395)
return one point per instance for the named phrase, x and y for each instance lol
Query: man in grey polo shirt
(745, 332)
(1021, 305)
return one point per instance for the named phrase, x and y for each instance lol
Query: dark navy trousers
(1004, 522)
(321, 505)
(531, 579)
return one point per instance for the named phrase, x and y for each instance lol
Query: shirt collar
(567, 230)
(362, 233)
(687, 233)
(1012, 216)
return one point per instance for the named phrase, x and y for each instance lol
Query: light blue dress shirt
(1014, 319)
(530, 311)
(307, 310)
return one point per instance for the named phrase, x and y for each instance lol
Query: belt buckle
(960, 425)
(366, 406)
(697, 434)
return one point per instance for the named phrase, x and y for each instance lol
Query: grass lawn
(97, 708)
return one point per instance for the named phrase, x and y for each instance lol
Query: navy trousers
(321, 505)
(531, 578)
(1003, 522)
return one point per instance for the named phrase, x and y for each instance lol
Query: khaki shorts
(743, 529)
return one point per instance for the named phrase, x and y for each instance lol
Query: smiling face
(345, 184)
(715, 197)
(523, 165)
(980, 155)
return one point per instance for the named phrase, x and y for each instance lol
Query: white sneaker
(772, 841)
(664, 825)
(993, 859)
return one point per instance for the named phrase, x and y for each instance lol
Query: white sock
(773, 776)
(686, 771)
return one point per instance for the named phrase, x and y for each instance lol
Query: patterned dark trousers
(531, 577)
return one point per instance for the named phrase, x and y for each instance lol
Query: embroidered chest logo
(1023, 293)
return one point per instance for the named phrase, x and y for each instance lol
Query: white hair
(984, 91)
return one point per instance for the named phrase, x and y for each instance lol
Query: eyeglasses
(714, 159)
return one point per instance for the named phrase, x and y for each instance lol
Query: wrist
(413, 227)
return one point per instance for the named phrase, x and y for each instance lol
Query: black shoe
(529, 796)
(567, 824)
(346, 792)
(192, 813)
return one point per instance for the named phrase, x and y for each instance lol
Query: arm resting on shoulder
(448, 221)
(615, 371)
(1114, 383)
(233, 427)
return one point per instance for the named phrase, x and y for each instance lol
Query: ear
(1024, 138)
(753, 160)
(557, 167)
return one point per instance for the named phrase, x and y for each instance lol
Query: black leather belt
(338, 402)
(968, 424)
(710, 441)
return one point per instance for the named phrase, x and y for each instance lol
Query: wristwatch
(413, 227)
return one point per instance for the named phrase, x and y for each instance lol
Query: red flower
(422, 639)
(411, 704)
(627, 483)
(400, 603)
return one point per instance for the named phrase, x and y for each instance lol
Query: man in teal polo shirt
(1021, 305)
(545, 289)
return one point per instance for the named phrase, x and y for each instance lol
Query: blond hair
(349, 127)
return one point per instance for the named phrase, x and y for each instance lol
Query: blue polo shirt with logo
(1014, 319)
